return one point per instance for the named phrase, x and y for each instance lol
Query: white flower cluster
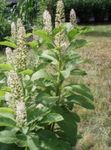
(47, 21)
(18, 59)
(73, 19)
(21, 114)
(60, 15)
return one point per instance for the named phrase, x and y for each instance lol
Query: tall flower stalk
(60, 15)
(18, 60)
(47, 22)
(73, 18)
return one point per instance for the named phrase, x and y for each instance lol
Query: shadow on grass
(99, 34)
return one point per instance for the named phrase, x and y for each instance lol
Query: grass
(96, 125)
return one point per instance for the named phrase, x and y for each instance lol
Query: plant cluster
(38, 108)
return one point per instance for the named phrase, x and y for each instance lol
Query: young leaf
(5, 67)
(8, 44)
(27, 72)
(33, 44)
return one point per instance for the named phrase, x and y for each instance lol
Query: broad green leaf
(73, 33)
(46, 99)
(7, 122)
(80, 89)
(5, 67)
(66, 73)
(49, 56)
(49, 141)
(75, 44)
(80, 100)
(8, 136)
(8, 44)
(86, 29)
(52, 118)
(68, 125)
(7, 112)
(38, 75)
(27, 72)
(33, 143)
(21, 140)
(37, 114)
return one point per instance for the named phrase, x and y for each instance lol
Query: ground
(95, 125)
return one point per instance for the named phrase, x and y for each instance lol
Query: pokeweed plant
(39, 110)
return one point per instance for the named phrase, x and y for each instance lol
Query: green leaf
(33, 44)
(8, 136)
(36, 114)
(46, 99)
(68, 125)
(8, 44)
(33, 143)
(78, 72)
(2, 93)
(77, 44)
(38, 75)
(49, 141)
(7, 112)
(49, 56)
(7, 122)
(27, 72)
(80, 100)
(80, 89)
(73, 33)
(66, 73)
(5, 67)
(44, 35)
(58, 29)
(52, 118)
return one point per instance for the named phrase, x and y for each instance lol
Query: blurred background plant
(4, 24)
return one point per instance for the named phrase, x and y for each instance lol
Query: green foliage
(4, 24)
(50, 98)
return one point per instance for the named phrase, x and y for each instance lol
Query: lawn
(96, 125)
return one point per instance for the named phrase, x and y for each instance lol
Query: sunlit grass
(96, 124)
